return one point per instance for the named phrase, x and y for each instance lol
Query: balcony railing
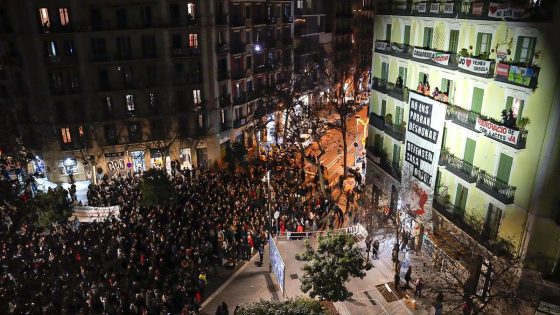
(436, 8)
(459, 167)
(461, 116)
(224, 100)
(434, 57)
(379, 85)
(476, 66)
(496, 188)
(383, 46)
(517, 74)
(397, 132)
(401, 50)
(399, 93)
(498, 131)
(377, 121)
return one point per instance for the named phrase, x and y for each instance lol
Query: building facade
(104, 87)
(495, 71)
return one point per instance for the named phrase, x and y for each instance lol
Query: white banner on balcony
(495, 131)
(435, 56)
(422, 148)
(475, 65)
(381, 45)
(500, 10)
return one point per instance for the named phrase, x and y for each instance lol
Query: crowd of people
(153, 260)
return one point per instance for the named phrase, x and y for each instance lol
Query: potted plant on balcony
(523, 122)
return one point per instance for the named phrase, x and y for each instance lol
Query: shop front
(138, 161)
(185, 158)
(159, 159)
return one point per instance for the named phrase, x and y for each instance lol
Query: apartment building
(468, 164)
(107, 87)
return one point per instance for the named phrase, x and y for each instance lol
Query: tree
(297, 306)
(328, 268)
(156, 188)
(51, 207)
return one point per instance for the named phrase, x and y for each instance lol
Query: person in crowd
(420, 88)
(418, 288)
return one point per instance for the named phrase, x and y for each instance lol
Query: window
(152, 100)
(56, 80)
(406, 39)
(196, 97)
(515, 105)
(470, 147)
(453, 41)
(149, 46)
(146, 16)
(191, 11)
(108, 105)
(396, 154)
(103, 79)
(193, 40)
(200, 121)
(110, 134)
(461, 199)
(422, 77)
(174, 13)
(63, 16)
(504, 168)
(447, 87)
(483, 43)
(176, 41)
(126, 72)
(388, 32)
(428, 35)
(69, 49)
(477, 98)
(121, 18)
(134, 132)
(384, 71)
(130, 103)
(492, 223)
(299, 4)
(44, 16)
(95, 16)
(123, 47)
(399, 113)
(525, 49)
(403, 74)
(222, 116)
(50, 46)
(98, 46)
(65, 135)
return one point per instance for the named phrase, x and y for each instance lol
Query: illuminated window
(152, 97)
(65, 133)
(196, 96)
(51, 48)
(223, 116)
(130, 103)
(81, 131)
(299, 4)
(200, 121)
(190, 10)
(193, 40)
(44, 16)
(63, 15)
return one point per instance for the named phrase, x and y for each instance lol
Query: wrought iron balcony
(459, 167)
(383, 46)
(517, 74)
(379, 85)
(401, 50)
(461, 116)
(397, 132)
(444, 59)
(400, 93)
(496, 188)
(476, 66)
(377, 121)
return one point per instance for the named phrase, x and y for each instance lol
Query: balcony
(61, 60)
(399, 93)
(400, 7)
(498, 131)
(517, 74)
(392, 168)
(436, 9)
(435, 57)
(383, 47)
(462, 117)
(476, 66)
(185, 52)
(377, 121)
(459, 167)
(496, 188)
(401, 50)
(397, 132)
(379, 85)
(238, 123)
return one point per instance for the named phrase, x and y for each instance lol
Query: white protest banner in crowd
(92, 214)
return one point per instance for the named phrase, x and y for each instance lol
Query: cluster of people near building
(151, 260)
(424, 88)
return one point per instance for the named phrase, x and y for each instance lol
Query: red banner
(502, 69)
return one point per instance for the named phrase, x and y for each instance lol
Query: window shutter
(478, 44)
(406, 40)
(470, 147)
(504, 168)
(509, 102)
(478, 96)
(383, 108)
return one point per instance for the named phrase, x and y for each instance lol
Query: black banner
(422, 176)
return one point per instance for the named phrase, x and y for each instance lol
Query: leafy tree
(51, 207)
(156, 188)
(328, 268)
(297, 306)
